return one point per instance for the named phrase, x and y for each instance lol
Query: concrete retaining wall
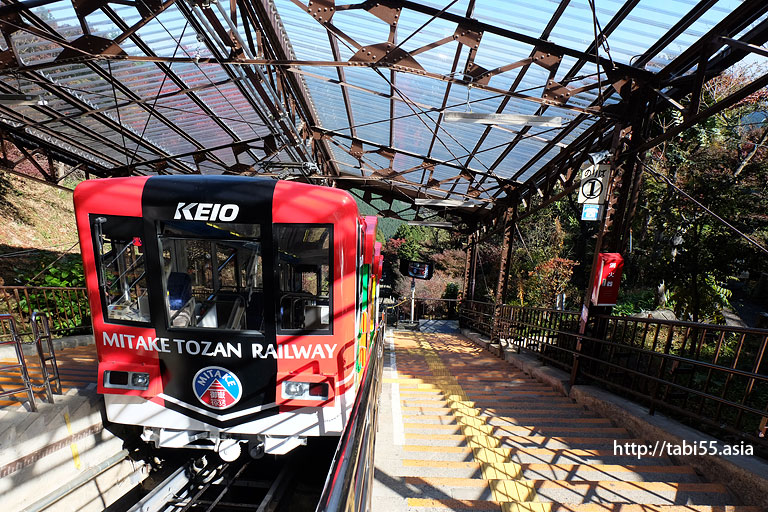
(40, 452)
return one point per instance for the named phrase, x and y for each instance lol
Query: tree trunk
(751, 154)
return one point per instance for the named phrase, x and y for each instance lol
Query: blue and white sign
(217, 387)
(591, 212)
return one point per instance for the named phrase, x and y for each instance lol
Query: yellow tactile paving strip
(479, 437)
(77, 368)
(464, 412)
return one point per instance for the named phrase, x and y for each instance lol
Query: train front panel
(223, 307)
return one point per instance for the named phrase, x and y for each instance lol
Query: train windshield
(212, 275)
(304, 273)
(121, 267)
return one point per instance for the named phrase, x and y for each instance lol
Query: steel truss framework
(353, 95)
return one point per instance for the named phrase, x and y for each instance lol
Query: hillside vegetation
(38, 226)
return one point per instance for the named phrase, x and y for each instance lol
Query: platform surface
(77, 368)
(460, 429)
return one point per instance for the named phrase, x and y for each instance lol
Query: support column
(473, 269)
(468, 290)
(506, 249)
(467, 269)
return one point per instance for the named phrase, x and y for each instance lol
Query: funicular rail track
(213, 486)
(277, 484)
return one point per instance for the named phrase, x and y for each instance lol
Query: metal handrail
(21, 365)
(478, 315)
(681, 323)
(717, 372)
(37, 321)
(350, 479)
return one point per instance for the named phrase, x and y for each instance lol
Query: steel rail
(163, 492)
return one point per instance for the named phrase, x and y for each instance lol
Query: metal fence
(66, 308)
(712, 377)
(538, 330)
(478, 316)
(427, 308)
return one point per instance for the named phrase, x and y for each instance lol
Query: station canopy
(394, 100)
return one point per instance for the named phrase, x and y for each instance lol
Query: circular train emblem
(217, 387)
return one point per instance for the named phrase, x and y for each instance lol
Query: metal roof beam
(18, 136)
(198, 153)
(536, 42)
(332, 133)
(733, 24)
(752, 48)
(721, 105)
(737, 20)
(589, 54)
(264, 17)
(46, 84)
(521, 74)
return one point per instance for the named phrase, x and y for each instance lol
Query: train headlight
(140, 380)
(305, 390)
(296, 389)
(126, 380)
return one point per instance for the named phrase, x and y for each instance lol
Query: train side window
(212, 275)
(305, 280)
(121, 267)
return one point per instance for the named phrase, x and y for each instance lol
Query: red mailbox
(607, 279)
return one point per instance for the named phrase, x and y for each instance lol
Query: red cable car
(227, 309)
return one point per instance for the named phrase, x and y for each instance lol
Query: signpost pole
(413, 295)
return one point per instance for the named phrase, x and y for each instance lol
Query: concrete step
(507, 383)
(84, 414)
(562, 492)
(428, 393)
(534, 471)
(480, 375)
(474, 428)
(528, 455)
(520, 419)
(37, 382)
(501, 397)
(523, 441)
(475, 434)
(577, 418)
(19, 420)
(441, 505)
(48, 425)
(431, 385)
(543, 409)
(472, 400)
(512, 394)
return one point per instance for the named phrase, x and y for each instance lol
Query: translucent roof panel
(358, 88)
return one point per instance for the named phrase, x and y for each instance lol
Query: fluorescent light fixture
(22, 99)
(445, 225)
(439, 202)
(474, 117)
